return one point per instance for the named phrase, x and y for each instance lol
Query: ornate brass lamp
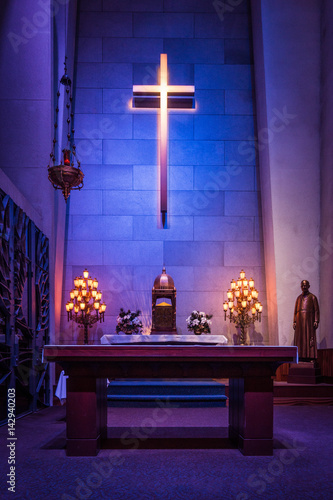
(242, 304)
(163, 305)
(85, 306)
(65, 176)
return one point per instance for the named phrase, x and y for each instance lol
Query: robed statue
(306, 321)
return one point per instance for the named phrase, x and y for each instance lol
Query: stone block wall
(214, 220)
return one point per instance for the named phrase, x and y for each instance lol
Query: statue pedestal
(304, 373)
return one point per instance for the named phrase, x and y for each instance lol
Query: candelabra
(242, 304)
(85, 299)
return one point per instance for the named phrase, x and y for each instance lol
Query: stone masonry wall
(214, 204)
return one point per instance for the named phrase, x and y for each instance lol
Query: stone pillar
(286, 38)
(325, 248)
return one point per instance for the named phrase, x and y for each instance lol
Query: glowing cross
(163, 97)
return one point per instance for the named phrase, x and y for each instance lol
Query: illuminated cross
(163, 97)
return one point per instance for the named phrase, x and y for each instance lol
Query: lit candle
(67, 157)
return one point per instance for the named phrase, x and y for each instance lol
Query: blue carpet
(300, 469)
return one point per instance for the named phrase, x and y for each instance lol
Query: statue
(306, 321)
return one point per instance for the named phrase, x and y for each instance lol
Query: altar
(249, 368)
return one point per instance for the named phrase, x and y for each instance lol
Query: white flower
(202, 314)
(195, 322)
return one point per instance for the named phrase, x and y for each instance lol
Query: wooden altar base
(250, 370)
(166, 438)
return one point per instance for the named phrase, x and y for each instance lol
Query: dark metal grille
(24, 309)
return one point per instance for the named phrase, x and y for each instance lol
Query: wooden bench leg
(86, 415)
(251, 415)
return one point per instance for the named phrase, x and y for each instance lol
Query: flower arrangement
(199, 322)
(129, 322)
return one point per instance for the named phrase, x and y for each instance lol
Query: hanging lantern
(67, 175)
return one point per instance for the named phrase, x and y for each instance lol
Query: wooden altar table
(249, 368)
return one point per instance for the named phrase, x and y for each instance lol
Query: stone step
(173, 387)
(172, 397)
(148, 392)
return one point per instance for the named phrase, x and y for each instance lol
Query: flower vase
(196, 331)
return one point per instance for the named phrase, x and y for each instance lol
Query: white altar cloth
(60, 392)
(165, 339)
